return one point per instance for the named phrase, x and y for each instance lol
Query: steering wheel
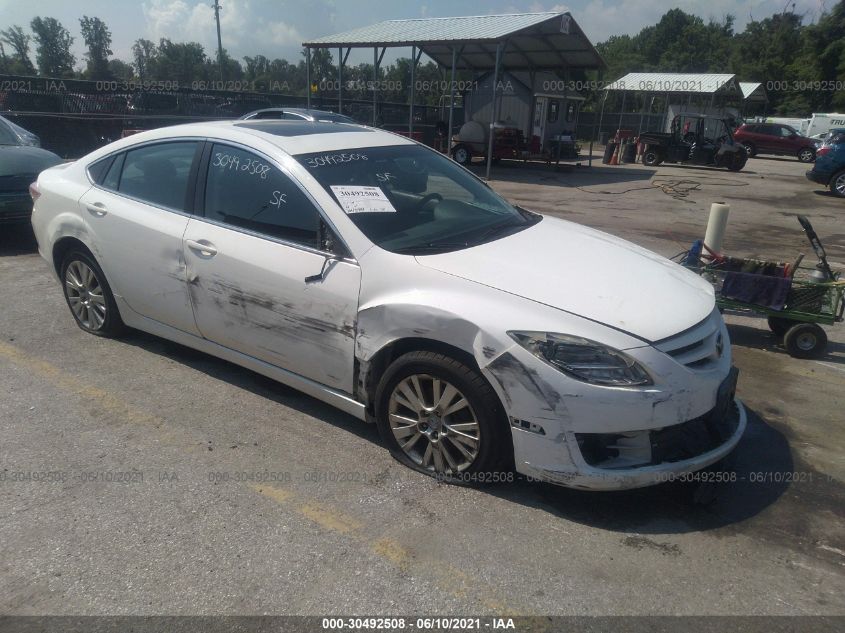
(428, 200)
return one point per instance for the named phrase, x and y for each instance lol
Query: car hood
(588, 273)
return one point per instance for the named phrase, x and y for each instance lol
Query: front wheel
(837, 185)
(805, 340)
(462, 155)
(652, 157)
(441, 418)
(807, 155)
(737, 161)
(88, 295)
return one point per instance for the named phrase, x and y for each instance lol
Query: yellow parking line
(445, 575)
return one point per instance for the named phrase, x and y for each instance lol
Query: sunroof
(300, 128)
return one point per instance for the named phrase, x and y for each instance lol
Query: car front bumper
(586, 436)
(589, 477)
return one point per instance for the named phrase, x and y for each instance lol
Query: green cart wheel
(805, 340)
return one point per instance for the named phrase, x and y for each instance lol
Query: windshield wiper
(431, 247)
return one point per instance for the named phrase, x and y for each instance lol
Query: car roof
(292, 137)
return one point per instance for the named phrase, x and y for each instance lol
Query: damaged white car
(379, 276)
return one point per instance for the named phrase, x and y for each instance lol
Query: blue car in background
(829, 169)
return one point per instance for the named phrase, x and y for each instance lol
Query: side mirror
(327, 262)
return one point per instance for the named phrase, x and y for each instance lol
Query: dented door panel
(251, 296)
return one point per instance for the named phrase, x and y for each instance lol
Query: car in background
(21, 160)
(775, 138)
(10, 129)
(829, 169)
(297, 114)
(377, 275)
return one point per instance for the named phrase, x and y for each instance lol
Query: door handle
(203, 248)
(98, 209)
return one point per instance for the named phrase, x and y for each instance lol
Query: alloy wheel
(434, 424)
(806, 155)
(85, 295)
(839, 184)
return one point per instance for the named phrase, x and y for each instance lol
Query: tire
(462, 155)
(458, 446)
(837, 184)
(89, 296)
(750, 149)
(652, 157)
(805, 340)
(779, 325)
(737, 161)
(807, 155)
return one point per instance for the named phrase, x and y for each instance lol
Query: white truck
(821, 124)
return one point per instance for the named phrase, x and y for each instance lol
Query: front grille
(661, 446)
(699, 346)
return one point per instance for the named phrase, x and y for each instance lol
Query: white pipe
(716, 225)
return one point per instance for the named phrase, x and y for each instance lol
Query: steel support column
(493, 110)
(308, 77)
(451, 100)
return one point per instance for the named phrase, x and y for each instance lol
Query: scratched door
(248, 259)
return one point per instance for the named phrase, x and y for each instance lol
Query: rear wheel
(88, 295)
(441, 418)
(805, 340)
(837, 184)
(652, 157)
(807, 155)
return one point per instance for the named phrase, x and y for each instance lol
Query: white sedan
(379, 276)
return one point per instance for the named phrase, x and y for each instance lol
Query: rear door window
(159, 174)
(244, 191)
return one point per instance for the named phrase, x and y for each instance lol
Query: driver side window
(244, 191)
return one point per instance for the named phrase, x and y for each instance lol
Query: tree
(98, 40)
(19, 63)
(144, 53)
(181, 62)
(119, 69)
(53, 47)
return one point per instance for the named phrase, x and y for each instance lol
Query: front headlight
(584, 359)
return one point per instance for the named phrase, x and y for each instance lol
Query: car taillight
(823, 151)
(34, 192)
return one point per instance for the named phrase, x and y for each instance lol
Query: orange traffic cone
(614, 160)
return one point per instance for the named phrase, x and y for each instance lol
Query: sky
(276, 28)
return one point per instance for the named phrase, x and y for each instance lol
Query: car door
(137, 213)
(255, 260)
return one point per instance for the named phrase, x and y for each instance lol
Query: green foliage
(794, 59)
(19, 63)
(53, 42)
(97, 38)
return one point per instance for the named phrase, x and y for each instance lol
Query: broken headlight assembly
(584, 359)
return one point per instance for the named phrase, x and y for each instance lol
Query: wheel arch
(65, 244)
(370, 370)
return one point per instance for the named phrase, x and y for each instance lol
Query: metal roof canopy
(533, 41)
(516, 41)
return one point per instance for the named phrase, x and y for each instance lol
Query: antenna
(216, 7)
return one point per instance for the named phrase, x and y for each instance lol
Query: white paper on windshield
(362, 199)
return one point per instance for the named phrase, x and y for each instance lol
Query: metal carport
(518, 41)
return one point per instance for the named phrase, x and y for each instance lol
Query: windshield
(409, 199)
